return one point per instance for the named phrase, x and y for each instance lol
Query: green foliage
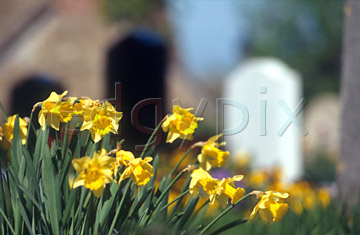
(307, 35)
(330, 220)
(35, 194)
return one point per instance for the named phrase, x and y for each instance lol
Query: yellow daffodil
(100, 120)
(8, 130)
(271, 206)
(53, 112)
(210, 155)
(181, 124)
(1, 134)
(95, 172)
(221, 190)
(79, 104)
(138, 169)
(122, 159)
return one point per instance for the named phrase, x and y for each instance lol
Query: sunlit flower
(100, 120)
(79, 104)
(52, 112)
(181, 124)
(210, 155)
(122, 159)
(95, 172)
(8, 130)
(271, 206)
(138, 169)
(221, 190)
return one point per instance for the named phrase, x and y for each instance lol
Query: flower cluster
(99, 118)
(101, 169)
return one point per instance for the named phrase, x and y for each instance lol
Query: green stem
(151, 139)
(182, 159)
(168, 189)
(163, 194)
(202, 206)
(29, 128)
(223, 213)
(7, 221)
(118, 211)
(177, 198)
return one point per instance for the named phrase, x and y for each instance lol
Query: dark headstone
(30, 90)
(139, 63)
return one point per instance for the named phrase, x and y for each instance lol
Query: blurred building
(64, 38)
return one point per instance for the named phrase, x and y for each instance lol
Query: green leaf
(7, 221)
(118, 209)
(51, 190)
(175, 218)
(187, 213)
(108, 206)
(68, 205)
(24, 214)
(229, 226)
(140, 203)
(177, 198)
(150, 139)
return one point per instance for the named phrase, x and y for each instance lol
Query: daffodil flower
(95, 172)
(101, 120)
(52, 112)
(181, 124)
(8, 130)
(210, 155)
(139, 170)
(271, 206)
(221, 190)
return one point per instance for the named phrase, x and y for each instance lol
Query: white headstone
(267, 93)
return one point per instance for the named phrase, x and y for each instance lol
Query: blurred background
(182, 52)
(187, 51)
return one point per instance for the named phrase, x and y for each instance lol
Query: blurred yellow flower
(52, 112)
(258, 179)
(95, 172)
(324, 196)
(220, 190)
(138, 169)
(210, 155)
(8, 130)
(271, 206)
(242, 159)
(1, 134)
(100, 120)
(181, 124)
